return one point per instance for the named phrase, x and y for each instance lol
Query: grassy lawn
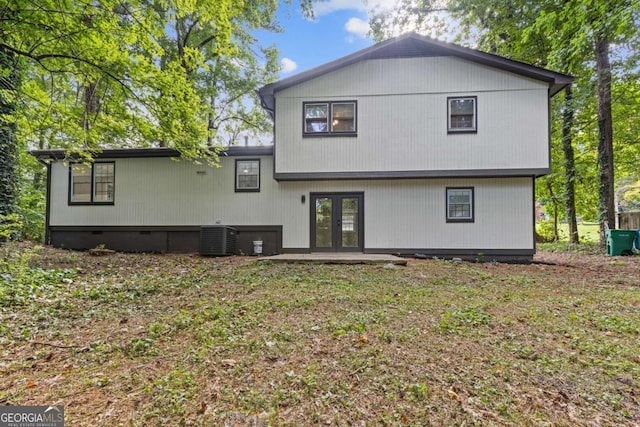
(183, 340)
(588, 232)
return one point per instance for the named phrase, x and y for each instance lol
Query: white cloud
(381, 5)
(326, 7)
(358, 27)
(288, 66)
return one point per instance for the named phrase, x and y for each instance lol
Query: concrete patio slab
(336, 258)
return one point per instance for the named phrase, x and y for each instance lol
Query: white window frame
(457, 218)
(246, 189)
(474, 121)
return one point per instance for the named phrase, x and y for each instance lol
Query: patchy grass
(183, 340)
(590, 248)
(589, 233)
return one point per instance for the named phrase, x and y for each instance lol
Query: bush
(31, 208)
(545, 232)
(10, 226)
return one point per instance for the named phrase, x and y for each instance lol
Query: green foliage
(9, 83)
(587, 248)
(21, 283)
(460, 320)
(31, 209)
(10, 226)
(545, 231)
(173, 73)
(172, 392)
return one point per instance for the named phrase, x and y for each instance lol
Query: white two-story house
(411, 146)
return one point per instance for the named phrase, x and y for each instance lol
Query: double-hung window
(92, 184)
(462, 114)
(330, 118)
(247, 175)
(460, 204)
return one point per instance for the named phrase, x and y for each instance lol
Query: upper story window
(460, 204)
(329, 118)
(247, 175)
(462, 114)
(92, 184)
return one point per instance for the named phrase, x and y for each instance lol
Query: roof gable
(414, 45)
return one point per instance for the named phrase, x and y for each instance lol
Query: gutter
(118, 153)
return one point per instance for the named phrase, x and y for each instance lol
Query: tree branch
(204, 42)
(40, 58)
(186, 37)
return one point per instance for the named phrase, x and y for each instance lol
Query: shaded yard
(184, 340)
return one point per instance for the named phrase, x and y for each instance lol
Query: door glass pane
(323, 222)
(349, 222)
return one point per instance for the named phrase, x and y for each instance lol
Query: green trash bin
(620, 242)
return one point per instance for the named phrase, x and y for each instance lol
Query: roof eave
(556, 81)
(121, 153)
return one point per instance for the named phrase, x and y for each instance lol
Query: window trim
(472, 207)
(70, 200)
(474, 129)
(247, 190)
(330, 132)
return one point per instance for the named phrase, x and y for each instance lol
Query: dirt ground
(135, 339)
(596, 265)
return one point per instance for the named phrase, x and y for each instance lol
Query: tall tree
(568, 114)
(134, 87)
(225, 81)
(605, 135)
(585, 31)
(9, 83)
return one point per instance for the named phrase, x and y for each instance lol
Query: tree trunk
(8, 143)
(606, 209)
(554, 201)
(91, 100)
(569, 165)
(38, 174)
(91, 109)
(211, 125)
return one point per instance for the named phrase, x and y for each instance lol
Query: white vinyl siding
(402, 119)
(168, 192)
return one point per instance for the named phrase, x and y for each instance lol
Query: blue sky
(339, 28)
